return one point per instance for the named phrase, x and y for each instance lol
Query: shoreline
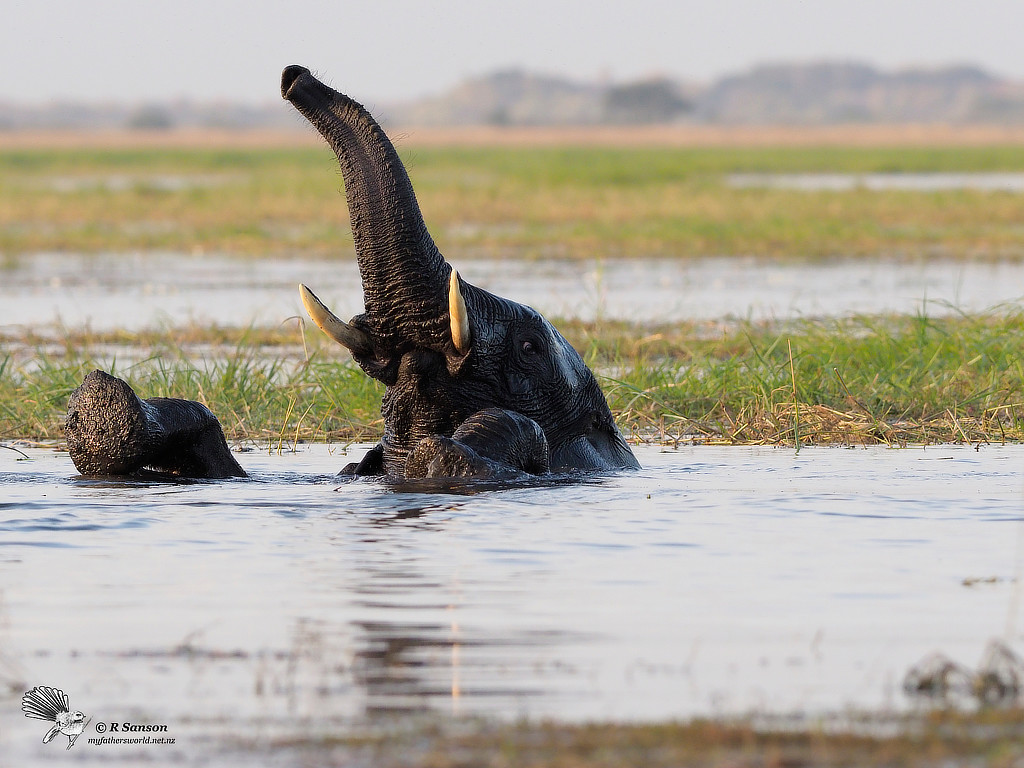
(934, 737)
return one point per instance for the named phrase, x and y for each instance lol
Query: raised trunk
(405, 277)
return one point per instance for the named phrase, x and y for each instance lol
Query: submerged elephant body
(111, 431)
(476, 385)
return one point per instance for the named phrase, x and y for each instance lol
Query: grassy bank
(866, 380)
(534, 202)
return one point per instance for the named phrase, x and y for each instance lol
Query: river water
(715, 581)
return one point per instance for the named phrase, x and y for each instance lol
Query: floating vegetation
(998, 680)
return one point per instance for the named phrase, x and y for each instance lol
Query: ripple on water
(688, 588)
(68, 522)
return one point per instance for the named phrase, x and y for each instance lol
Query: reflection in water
(408, 664)
(413, 663)
(460, 486)
(390, 665)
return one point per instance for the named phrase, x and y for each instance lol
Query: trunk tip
(289, 76)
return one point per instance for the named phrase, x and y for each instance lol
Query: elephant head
(445, 349)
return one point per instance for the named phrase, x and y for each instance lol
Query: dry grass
(854, 135)
(990, 738)
(796, 423)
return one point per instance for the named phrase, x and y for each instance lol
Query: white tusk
(458, 315)
(351, 338)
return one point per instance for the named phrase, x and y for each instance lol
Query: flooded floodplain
(716, 581)
(135, 292)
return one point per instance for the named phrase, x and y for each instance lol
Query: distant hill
(818, 93)
(515, 97)
(832, 92)
(155, 116)
(805, 94)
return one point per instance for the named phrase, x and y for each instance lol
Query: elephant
(111, 431)
(475, 385)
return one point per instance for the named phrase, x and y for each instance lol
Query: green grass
(256, 395)
(893, 380)
(531, 202)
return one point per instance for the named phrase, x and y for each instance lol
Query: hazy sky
(381, 50)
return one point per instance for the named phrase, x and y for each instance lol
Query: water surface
(132, 292)
(715, 581)
(908, 182)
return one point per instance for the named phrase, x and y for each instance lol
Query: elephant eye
(529, 348)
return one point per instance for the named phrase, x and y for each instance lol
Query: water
(134, 292)
(715, 581)
(910, 182)
(122, 182)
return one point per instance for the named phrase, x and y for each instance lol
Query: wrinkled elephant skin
(110, 431)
